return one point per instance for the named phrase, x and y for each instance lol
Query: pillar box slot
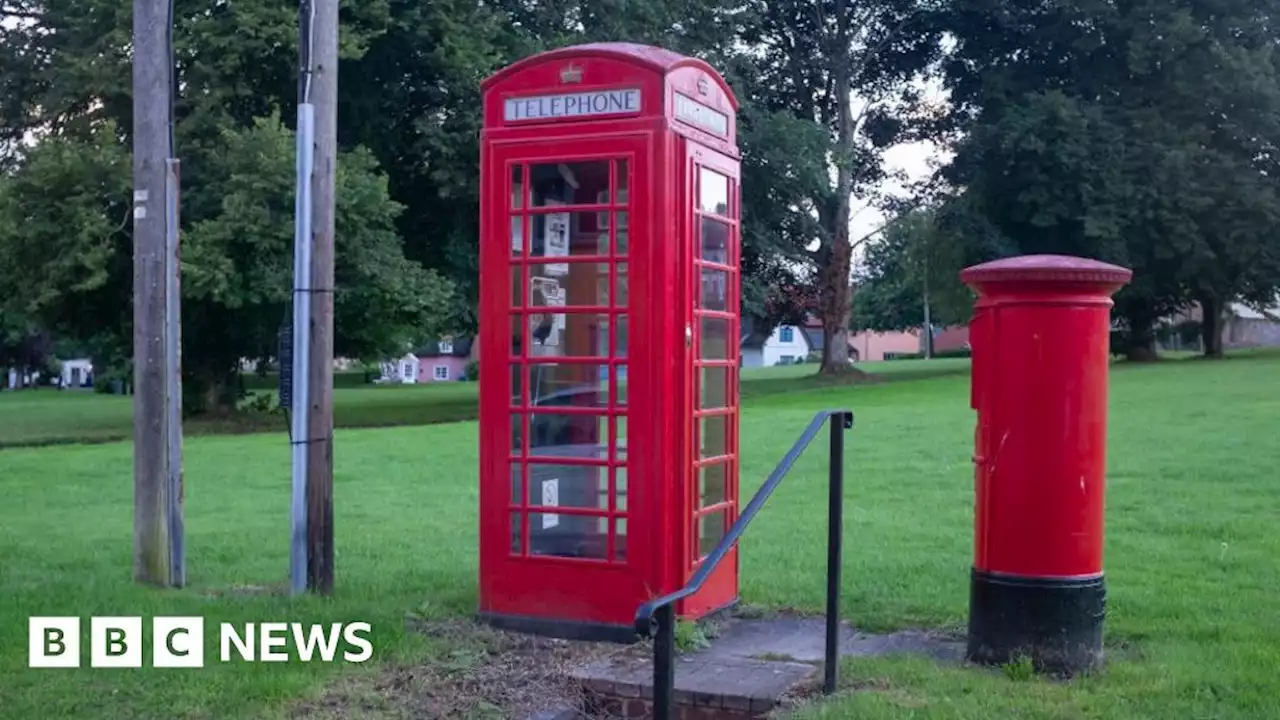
(1041, 335)
(609, 326)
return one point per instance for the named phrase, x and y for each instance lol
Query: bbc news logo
(178, 642)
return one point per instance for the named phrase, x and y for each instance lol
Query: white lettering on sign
(695, 113)
(572, 105)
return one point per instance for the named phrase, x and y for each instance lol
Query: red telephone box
(1040, 335)
(609, 327)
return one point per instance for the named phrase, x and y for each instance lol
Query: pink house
(443, 360)
(876, 346)
(955, 337)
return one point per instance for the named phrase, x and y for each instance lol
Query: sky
(917, 160)
(912, 159)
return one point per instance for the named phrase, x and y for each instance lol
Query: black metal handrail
(656, 618)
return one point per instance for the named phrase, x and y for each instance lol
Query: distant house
(951, 338)
(1246, 327)
(437, 361)
(77, 372)
(1242, 326)
(818, 341)
(443, 360)
(401, 371)
(786, 345)
(870, 346)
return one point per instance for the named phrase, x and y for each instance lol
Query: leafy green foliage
(64, 250)
(827, 88)
(238, 263)
(911, 262)
(1138, 133)
(416, 106)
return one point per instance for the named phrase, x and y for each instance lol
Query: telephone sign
(558, 107)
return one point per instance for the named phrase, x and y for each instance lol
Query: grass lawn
(49, 417)
(52, 417)
(1193, 575)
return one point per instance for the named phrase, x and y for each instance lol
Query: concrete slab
(751, 667)
(801, 639)
(702, 680)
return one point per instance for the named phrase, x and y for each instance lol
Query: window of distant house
(442, 372)
(407, 370)
(786, 360)
(446, 347)
(787, 335)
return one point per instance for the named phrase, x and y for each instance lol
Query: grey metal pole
(301, 308)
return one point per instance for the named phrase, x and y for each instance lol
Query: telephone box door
(560, 490)
(711, 282)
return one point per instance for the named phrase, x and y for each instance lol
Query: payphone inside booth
(608, 337)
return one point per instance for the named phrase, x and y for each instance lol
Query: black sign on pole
(286, 365)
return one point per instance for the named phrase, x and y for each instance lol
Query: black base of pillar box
(1056, 623)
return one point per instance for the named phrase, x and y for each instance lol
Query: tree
(238, 269)
(65, 255)
(1141, 133)
(65, 244)
(909, 279)
(22, 348)
(805, 66)
(416, 108)
(64, 251)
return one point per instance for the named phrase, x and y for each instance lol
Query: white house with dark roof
(786, 345)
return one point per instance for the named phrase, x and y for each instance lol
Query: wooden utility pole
(324, 63)
(158, 556)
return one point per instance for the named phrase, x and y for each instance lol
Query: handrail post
(657, 618)
(664, 662)
(835, 529)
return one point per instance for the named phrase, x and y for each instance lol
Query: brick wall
(629, 708)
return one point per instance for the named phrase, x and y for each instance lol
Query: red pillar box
(1040, 337)
(609, 295)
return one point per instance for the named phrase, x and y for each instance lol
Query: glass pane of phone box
(553, 484)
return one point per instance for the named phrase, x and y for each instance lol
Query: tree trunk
(928, 314)
(210, 391)
(834, 305)
(1142, 339)
(834, 291)
(1211, 325)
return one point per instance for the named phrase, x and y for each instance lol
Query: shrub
(937, 354)
(472, 371)
(114, 378)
